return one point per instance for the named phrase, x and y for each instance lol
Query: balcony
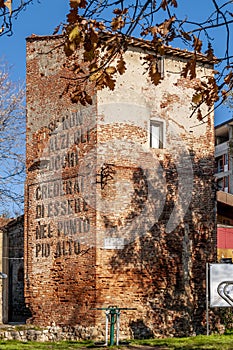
(221, 149)
(225, 198)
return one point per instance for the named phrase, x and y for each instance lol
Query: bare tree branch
(9, 12)
(155, 21)
(12, 145)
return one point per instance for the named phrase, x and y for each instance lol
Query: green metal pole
(112, 321)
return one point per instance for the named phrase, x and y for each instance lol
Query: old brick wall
(59, 264)
(109, 220)
(224, 241)
(4, 267)
(159, 203)
(17, 311)
(13, 307)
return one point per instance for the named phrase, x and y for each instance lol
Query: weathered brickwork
(13, 308)
(17, 311)
(60, 266)
(109, 219)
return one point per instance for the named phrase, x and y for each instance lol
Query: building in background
(224, 156)
(120, 197)
(224, 180)
(4, 269)
(12, 303)
(225, 242)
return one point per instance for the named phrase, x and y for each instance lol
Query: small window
(156, 134)
(20, 274)
(220, 165)
(160, 65)
(226, 159)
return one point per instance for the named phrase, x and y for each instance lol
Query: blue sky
(42, 17)
(198, 10)
(39, 18)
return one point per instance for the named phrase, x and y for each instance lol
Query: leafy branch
(103, 40)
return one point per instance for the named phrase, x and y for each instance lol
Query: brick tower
(119, 206)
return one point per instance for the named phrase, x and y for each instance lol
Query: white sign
(221, 285)
(114, 243)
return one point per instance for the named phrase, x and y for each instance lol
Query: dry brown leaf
(186, 36)
(197, 44)
(224, 94)
(88, 99)
(72, 16)
(117, 11)
(83, 4)
(109, 82)
(117, 23)
(95, 76)
(174, 3)
(164, 4)
(154, 30)
(121, 66)
(189, 69)
(164, 28)
(110, 70)
(210, 52)
(154, 74)
(228, 78)
(78, 3)
(8, 4)
(197, 98)
(94, 37)
(75, 33)
(89, 55)
(100, 26)
(199, 115)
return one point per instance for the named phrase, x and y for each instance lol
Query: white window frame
(160, 64)
(161, 142)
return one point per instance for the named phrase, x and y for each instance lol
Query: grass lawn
(64, 345)
(216, 342)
